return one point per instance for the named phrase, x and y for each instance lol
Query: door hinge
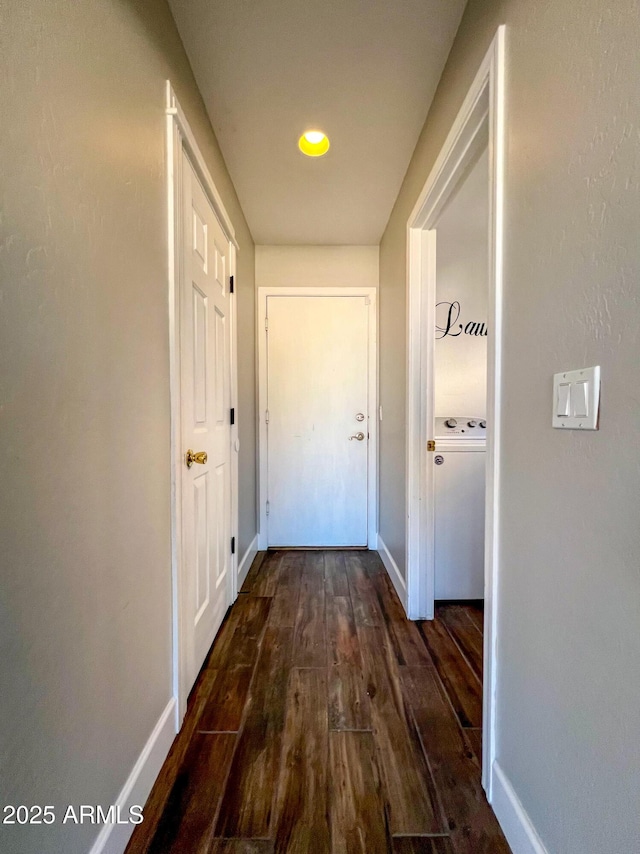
(266, 416)
(268, 508)
(233, 416)
(266, 323)
(233, 545)
(230, 284)
(431, 445)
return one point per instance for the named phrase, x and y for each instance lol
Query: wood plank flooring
(324, 722)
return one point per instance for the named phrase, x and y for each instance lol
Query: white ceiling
(363, 71)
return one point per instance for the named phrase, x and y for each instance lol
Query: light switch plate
(576, 399)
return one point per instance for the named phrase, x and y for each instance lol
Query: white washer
(459, 462)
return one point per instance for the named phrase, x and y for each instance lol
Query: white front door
(205, 343)
(318, 420)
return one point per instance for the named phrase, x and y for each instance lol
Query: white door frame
(479, 124)
(180, 138)
(372, 465)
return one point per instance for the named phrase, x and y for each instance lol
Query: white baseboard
(113, 838)
(394, 573)
(248, 558)
(514, 821)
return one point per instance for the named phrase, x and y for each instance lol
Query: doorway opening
(473, 152)
(460, 387)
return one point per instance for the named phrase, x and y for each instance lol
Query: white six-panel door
(205, 394)
(318, 420)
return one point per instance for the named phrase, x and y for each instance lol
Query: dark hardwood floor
(325, 721)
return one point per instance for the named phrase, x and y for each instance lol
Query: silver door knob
(360, 416)
(358, 436)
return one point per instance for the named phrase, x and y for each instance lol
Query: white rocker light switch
(579, 400)
(576, 399)
(562, 398)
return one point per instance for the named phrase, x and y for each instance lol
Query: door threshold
(317, 548)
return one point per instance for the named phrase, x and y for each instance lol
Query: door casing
(180, 138)
(480, 123)
(372, 465)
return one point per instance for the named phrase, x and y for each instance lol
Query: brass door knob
(192, 457)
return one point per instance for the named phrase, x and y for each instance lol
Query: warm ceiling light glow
(313, 143)
(314, 136)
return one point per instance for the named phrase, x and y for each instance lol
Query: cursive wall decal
(452, 328)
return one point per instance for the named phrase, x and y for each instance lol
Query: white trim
(180, 138)
(247, 560)
(113, 838)
(174, 228)
(393, 572)
(420, 512)
(235, 440)
(174, 110)
(497, 134)
(479, 123)
(514, 820)
(372, 474)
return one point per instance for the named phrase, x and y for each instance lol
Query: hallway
(324, 721)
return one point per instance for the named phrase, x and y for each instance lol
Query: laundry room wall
(461, 296)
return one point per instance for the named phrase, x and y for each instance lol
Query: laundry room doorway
(460, 387)
(437, 311)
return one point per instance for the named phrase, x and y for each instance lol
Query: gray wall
(569, 645)
(317, 266)
(85, 608)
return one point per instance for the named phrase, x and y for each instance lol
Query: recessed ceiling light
(313, 143)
